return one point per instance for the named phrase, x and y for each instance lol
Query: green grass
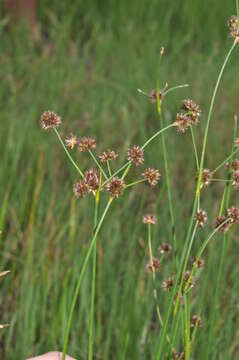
(99, 56)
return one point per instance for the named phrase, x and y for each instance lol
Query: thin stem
(237, 7)
(209, 119)
(117, 172)
(222, 180)
(82, 272)
(188, 327)
(98, 164)
(168, 184)
(135, 183)
(155, 135)
(108, 167)
(194, 147)
(92, 306)
(67, 152)
(175, 88)
(225, 161)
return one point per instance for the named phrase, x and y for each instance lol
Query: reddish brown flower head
(234, 27)
(86, 143)
(195, 321)
(108, 155)
(136, 155)
(192, 110)
(188, 280)
(149, 219)
(91, 179)
(201, 217)
(235, 177)
(80, 189)
(165, 248)
(71, 141)
(152, 176)
(153, 266)
(235, 165)
(168, 284)
(182, 122)
(49, 119)
(115, 187)
(153, 96)
(233, 214)
(200, 263)
(222, 223)
(206, 178)
(237, 142)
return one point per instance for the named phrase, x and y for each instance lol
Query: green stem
(225, 161)
(195, 148)
(135, 183)
(155, 135)
(98, 164)
(175, 88)
(170, 201)
(82, 272)
(67, 152)
(188, 328)
(108, 167)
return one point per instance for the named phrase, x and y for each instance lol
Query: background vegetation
(93, 57)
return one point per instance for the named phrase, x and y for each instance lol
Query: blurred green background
(87, 66)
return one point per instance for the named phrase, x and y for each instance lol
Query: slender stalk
(135, 183)
(98, 164)
(168, 184)
(92, 305)
(175, 88)
(82, 272)
(108, 167)
(225, 161)
(155, 135)
(194, 147)
(163, 334)
(67, 152)
(188, 328)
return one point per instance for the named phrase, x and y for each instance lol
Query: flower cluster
(108, 155)
(189, 116)
(136, 155)
(224, 222)
(49, 120)
(234, 27)
(153, 266)
(152, 176)
(86, 143)
(201, 217)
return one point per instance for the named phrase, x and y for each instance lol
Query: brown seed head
(108, 155)
(200, 263)
(233, 213)
(201, 217)
(237, 142)
(234, 27)
(168, 284)
(71, 141)
(153, 266)
(86, 143)
(115, 187)
(91, 179)
(195, 321)
(192, 110)
(153, 95)
(165, 248)
(136, 155)
(80, 189)
(222, 223)
(182, 122)
(149, 219)
(188, 280)
(152, 176)
(49, 119)
(206, 178)
(235, 177)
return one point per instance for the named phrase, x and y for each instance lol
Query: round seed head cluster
(168, 284)
(136, 155)
(200, 263)
(91, 179)
(149, 219)
(235, 177)
(234, 27)
(193, 111)
(182, 122)
(201, 217)
(154, 94)
(233, 214)
(153, 266)
(195, 321)
(115, 187)
(108, 155)
(80, 189)
(86, 143)
(165, 248)
(71, 141)
(188, 280)
(222, 223)
(49, 119)
(152, 176)
(206, 178)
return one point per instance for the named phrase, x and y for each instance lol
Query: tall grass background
(88, 68)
